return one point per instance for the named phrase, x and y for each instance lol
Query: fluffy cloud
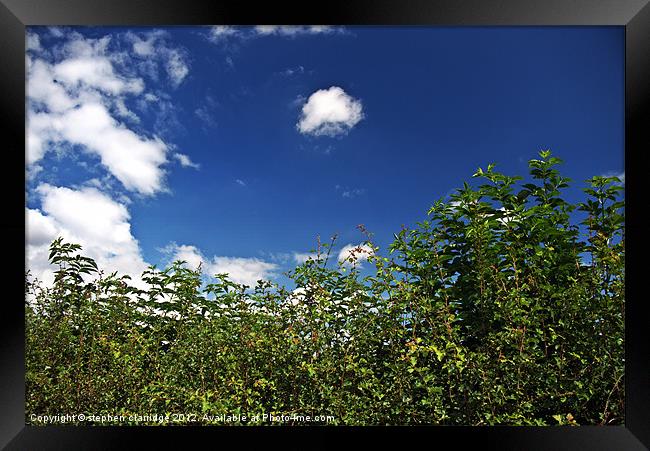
(241, 270)
(95, 72)
(355, 254)
(40, 229)
(78, 46)
(329, 112)
(134, 160)
(189, 254)
(71, 102)
(87, 217)
(43, 89)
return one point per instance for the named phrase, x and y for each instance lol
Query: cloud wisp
(219, 34)
(152, 53)
(295, 30)
(185, 161)
(350, 193)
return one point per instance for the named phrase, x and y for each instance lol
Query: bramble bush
(499, 309)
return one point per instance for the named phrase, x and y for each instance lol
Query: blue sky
(237, 146)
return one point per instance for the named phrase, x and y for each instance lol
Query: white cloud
(42, 88)
(297, 296)
(241, 270)
(351, 253)
(277, 257)
(189, 254)
(77, 46)
(221, 32)
(176, 67)
(293, 30)
(33, 42)
(185, 161)
(320, 29)
(134, 160)
(123, 111)
(301, 257)
(39, 133)
(155, 52)
(329, 112)
(87, 212)
(95, 72)
(56, 32)
(143, 46)
(70, 103)
(87, 217)
(240, 182)
(40, 229)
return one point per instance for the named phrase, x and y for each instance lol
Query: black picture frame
(15, 15)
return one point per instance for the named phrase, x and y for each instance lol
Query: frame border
(634, 15)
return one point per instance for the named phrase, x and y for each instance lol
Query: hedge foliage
(499, 309)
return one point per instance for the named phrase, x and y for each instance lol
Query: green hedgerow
(499, 308)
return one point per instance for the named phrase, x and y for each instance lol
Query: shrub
(499, 308)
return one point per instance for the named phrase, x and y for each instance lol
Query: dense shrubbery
(495, 310)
